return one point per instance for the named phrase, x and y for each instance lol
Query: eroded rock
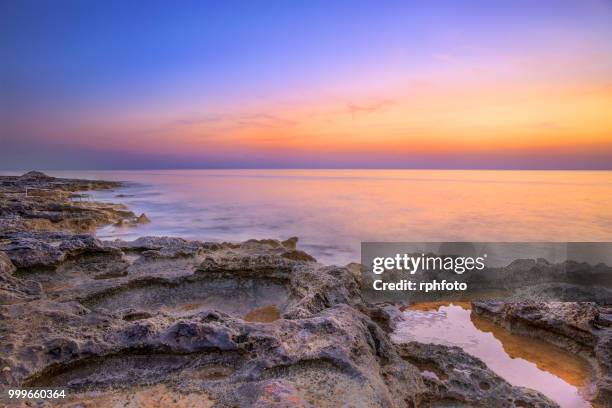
(13, 289)
(583, 328)
(37, 202)
(460, 379)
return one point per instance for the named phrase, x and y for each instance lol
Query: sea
(333, 211)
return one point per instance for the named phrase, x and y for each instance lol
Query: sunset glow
(460, 85)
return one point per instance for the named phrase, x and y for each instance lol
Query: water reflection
(562, 364)
(521, 360)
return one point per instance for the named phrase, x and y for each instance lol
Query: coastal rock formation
(326, 360)
(252, 324)
(458, 378)
(188, 317)
(34, 177)
(164, 322)
(564, 292)
(46, 250)
(37, 202)
(12, 289)
(6, 266)
(133, 221)
(560, 281)
(582, 328)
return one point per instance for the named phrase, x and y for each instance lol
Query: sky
(522, 84)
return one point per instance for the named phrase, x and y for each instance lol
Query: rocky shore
(160, 321)
(36, 202)
(581, 328)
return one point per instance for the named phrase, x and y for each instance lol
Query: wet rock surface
(459, 379)
(252, 324)
(582, 328)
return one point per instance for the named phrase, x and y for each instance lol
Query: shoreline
(137, 298)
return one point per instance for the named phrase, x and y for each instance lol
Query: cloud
(206, 119)
(368, 108)
(236, 120)
(264, 120)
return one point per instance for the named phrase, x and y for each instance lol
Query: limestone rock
(459, 378)
(582, 328)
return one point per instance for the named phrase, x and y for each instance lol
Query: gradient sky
(439, 84)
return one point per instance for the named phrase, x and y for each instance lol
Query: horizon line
(312, 168)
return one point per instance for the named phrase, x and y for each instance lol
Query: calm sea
(332, 211)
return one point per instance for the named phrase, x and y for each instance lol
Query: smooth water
(332, 211)
(520, 360)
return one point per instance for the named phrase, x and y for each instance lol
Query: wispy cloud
(199, 120)
(369, 107)
(227, 121)
(264, 120)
